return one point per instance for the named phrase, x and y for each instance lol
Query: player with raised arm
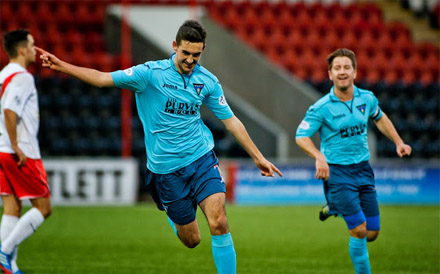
(22, 175)
(182, 169)
(341, 118)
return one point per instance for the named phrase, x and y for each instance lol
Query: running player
(182, 169)
(341, 118)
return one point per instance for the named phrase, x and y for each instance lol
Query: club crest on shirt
(198, 88)
(304, 125)
(361, 108)
(222, 100)
(129, 71)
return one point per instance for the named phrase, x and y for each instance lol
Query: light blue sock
(173, 226)
(224, 253)
(359, 255)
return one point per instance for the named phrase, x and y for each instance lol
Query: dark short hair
(191, 31)
(13, 40)
(341, 52)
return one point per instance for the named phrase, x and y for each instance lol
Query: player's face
(342, 73)
(30, 51)
(187, 55)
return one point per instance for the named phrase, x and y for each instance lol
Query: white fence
(92, 181)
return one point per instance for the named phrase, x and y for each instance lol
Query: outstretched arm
(90, 76)
(237, 129)
(322, 169)
(387, 128)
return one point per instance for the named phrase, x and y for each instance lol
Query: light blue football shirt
(168, 105)
(342, 126)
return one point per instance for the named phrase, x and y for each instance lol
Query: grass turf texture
(278, 239)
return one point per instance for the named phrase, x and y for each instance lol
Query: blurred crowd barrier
(395, 184)
(92, 181)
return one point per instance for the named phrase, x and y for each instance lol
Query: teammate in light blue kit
(341, 118)
(182, 169)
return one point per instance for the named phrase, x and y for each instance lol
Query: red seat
(280, 7)
(53, 36)
(231, 19)
(301, 73)
(261, 6)
(349, 40)
(399, 63)
(358, 23)
(304, 21)
(371, 9)
(63, 13)
(372, 76)
(331, 41)
(385, 43)
(318, 75)
(367, 42)
(408, 77)
(391, 77)
(416, 61)
(7, 12)
(44, 13)
(427, 79)
(95, 41)
(278, 40)
(427, 48)
(83, 14)
(268, 20)
(24, 12)
(321, 21)
(61, 52)
(259, 40)
(290, 60)
(397, 28)
(274, 56)
(243, 34)
(81, 57)
(295, 41)
(250, 19)
(242, 6)
(376, 24)
(103, 62)
(338, 22)
(286, 21)
(379, 62)
(74, 38)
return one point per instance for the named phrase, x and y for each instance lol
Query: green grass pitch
(275, 239)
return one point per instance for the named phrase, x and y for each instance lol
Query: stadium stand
(296, 36)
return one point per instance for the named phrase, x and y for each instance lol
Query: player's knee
(372, 235)
(47, 213)
(219, 225)
(14, 211)
(359, 232)
(46, 210)
(191, 241)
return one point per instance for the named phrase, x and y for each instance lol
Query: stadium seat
(296, 35)
(267, 18)
(63, 14)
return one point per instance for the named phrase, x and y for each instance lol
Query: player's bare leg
(372, 235)
(189, 234)
(27, 224)
(358, 249)
(12, 205)
(43, 205)
(221, 241)
(214, 209)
